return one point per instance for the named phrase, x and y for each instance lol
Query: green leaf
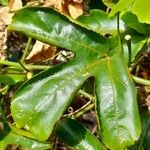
(122, 5)
(115, 93)
(79, 137)
(41, 101)
(141, 9)
(131, 21)
(100, 22)
(110, 3)
(9, 136)
(44, 105)
(24, 142)
(11, 78)
(137, 7)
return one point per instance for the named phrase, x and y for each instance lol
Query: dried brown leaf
(5, 19)
(75, 10)
(5, 15)
(15, 5)
(41, 52)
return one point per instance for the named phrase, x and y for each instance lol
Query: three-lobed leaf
(41, 101)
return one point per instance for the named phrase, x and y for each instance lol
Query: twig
(21, 64)
(87, 95)
(29, 67)
(128, 40)
(141, 80)
(118, 32)
(26, 49)
(81, 111)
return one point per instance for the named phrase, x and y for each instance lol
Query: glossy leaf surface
(100, 22)
(41, 101)
(79, 137)
(122, 5)
(24, 142)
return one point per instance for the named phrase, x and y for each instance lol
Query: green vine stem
(128, 40)
(4, 90)
(20, 63)
(88, 106)
(29, 67)
(92, 98)
(26, 49)
(141, 80)
(81, 111)
(118, 32)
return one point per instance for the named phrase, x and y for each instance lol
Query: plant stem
(87, 95)
(128, 40)
(89, 105)
(26, 49)
(4, 89)
(118, 22)
(118, 31)
(81, 111)
(21, 64)
(29, 67)
(141, 80)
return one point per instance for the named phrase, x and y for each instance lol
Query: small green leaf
(110, 3)
(11, 78)
(122, 5)
(99, 22)
(137, 7)
(10, 136)
(24, 142)
(132, 22)
(141, 9)
(77, 136)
